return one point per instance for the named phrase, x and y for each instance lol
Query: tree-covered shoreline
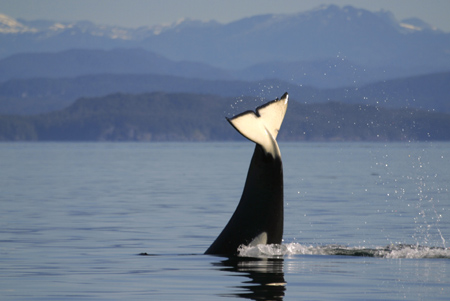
(199, 117)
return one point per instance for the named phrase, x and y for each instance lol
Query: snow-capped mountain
(415, 24)
(10, 25)
(357, 40)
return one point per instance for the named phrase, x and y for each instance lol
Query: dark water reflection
(266, 277)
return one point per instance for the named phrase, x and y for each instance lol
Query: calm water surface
(75, 216)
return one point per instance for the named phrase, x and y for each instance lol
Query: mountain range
(327, 73)
(326, 47)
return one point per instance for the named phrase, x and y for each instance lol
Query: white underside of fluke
(263, 125)
(261, 239)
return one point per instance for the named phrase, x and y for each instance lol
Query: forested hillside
(200, 117)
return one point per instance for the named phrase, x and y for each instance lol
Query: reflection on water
(266, 277)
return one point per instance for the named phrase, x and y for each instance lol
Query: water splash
(390, 251)
(263, 93)
(417, 188)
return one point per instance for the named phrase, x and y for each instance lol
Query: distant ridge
(32, 96)
(324, 73)
(77, 62)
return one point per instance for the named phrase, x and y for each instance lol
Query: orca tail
(263, 125)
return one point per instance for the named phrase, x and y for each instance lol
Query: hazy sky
(135, 13)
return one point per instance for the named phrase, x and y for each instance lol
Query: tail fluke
(263, 125)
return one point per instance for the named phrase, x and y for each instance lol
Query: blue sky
(135, 13)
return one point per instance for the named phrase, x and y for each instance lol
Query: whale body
(258, 218)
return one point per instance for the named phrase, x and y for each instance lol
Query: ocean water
(363, 221)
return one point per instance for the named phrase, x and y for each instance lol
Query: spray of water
(391, 251)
